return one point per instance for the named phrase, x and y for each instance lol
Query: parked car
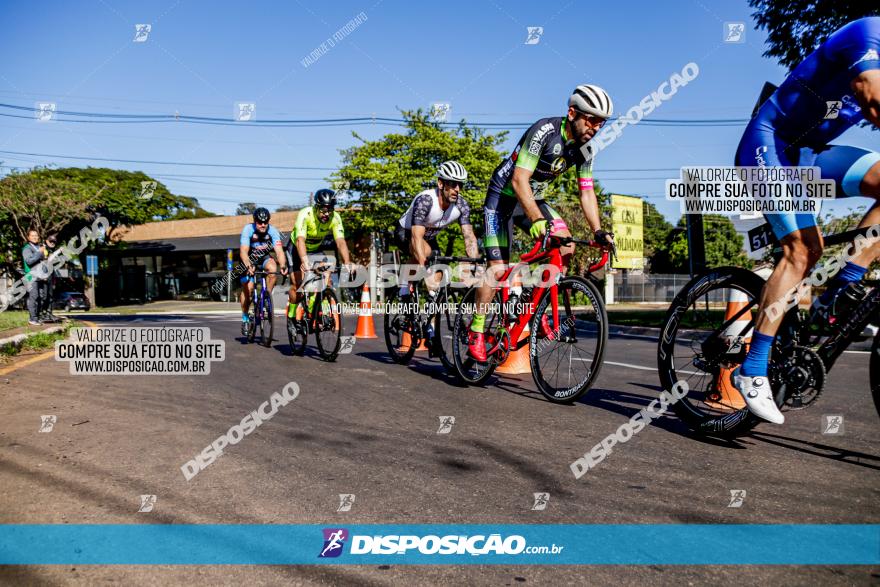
(71, 300)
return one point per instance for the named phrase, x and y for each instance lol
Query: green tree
(125, 198)
(656, 229)
(724, 246)
(796, 27)
(386, 174)
(245, 208)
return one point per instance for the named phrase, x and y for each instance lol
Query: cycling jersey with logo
(260, 243)
(316, 233)
(815, 104)
(425, 211)
(547, 152)
(812, 107)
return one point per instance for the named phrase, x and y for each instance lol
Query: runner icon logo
(346, 500)
(334, 540)
(832, 424)
(47, 423)
(147, 503)
(446, 424)
(541, 501)
(737, 497)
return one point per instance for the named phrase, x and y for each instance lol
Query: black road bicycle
(424, 316)
(318, 312)
(702, 342)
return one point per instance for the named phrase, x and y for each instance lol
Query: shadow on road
(820, 450)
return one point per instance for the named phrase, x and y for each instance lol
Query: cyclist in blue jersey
(833, 89)
(258, 240)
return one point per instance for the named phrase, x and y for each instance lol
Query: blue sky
(201, 57)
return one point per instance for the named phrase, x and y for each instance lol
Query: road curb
(20, 338)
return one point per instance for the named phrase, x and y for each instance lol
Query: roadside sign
(628, 231)
(91, 265)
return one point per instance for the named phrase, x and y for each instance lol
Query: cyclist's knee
(803, 249)
(871, 182)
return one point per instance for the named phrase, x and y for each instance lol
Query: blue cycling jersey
(261, 243)
(815, 104)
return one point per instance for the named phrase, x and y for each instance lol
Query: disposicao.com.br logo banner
(444, 544)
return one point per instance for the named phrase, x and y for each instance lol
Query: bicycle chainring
(799, 374)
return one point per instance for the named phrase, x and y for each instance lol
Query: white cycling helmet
(452, 171)
(592, 100)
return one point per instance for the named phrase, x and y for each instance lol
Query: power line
(106, 117)
(184, 163)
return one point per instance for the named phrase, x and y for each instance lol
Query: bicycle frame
(319, 274)
(538, 253)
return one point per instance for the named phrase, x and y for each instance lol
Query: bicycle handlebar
(454, 259)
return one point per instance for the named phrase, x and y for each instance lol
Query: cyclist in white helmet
(433, 210)
(546, 150)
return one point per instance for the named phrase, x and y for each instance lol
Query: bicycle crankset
(799, 373)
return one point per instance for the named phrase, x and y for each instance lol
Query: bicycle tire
(298, 338)
(252, 324)
(328, 347)
(395, 325)
(735, 421)
(444, 327)
(875, 372)
(570, 333)
(466, 368)
(267, 322)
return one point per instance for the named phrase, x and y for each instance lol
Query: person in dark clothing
(33, 253)
(46, 314)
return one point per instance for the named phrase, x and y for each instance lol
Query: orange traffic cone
(729, 396)
(365, 328)
(517, 362)
(406, 341)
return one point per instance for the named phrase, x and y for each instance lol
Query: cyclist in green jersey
(317, 229)
(546, 150)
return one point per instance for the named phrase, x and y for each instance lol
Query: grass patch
(13, 319)
(37, 342)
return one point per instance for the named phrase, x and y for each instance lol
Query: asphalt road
(368, 427)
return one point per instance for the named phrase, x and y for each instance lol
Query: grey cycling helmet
(452, 171)
(325, 198)
(591, 100)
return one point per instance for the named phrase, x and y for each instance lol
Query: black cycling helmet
(261, 215)
(325, 198)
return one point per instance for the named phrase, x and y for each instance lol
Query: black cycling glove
(601, 237)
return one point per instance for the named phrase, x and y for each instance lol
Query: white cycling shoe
(758, 395)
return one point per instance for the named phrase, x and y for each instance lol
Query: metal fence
(653, 287)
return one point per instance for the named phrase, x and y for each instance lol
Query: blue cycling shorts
(847, 166)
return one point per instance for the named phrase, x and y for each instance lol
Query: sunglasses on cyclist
(593, 121)
(325, 209)
(452, 184)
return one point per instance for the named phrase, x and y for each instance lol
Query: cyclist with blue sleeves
(258, 240)
(833, 89)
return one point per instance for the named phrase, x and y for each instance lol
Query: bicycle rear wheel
(267, 324)
(566, 360)
(401, 337)
(467, 369)
(328, 325)
(875, 372)
(704, 338)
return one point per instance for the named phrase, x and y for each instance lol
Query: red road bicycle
(568, 325)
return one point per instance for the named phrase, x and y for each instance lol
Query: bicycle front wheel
(566, 354)
(704, 338)
(401, 337)
(444, 325)
(328, 325)
(267, 325)
(467, 369)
